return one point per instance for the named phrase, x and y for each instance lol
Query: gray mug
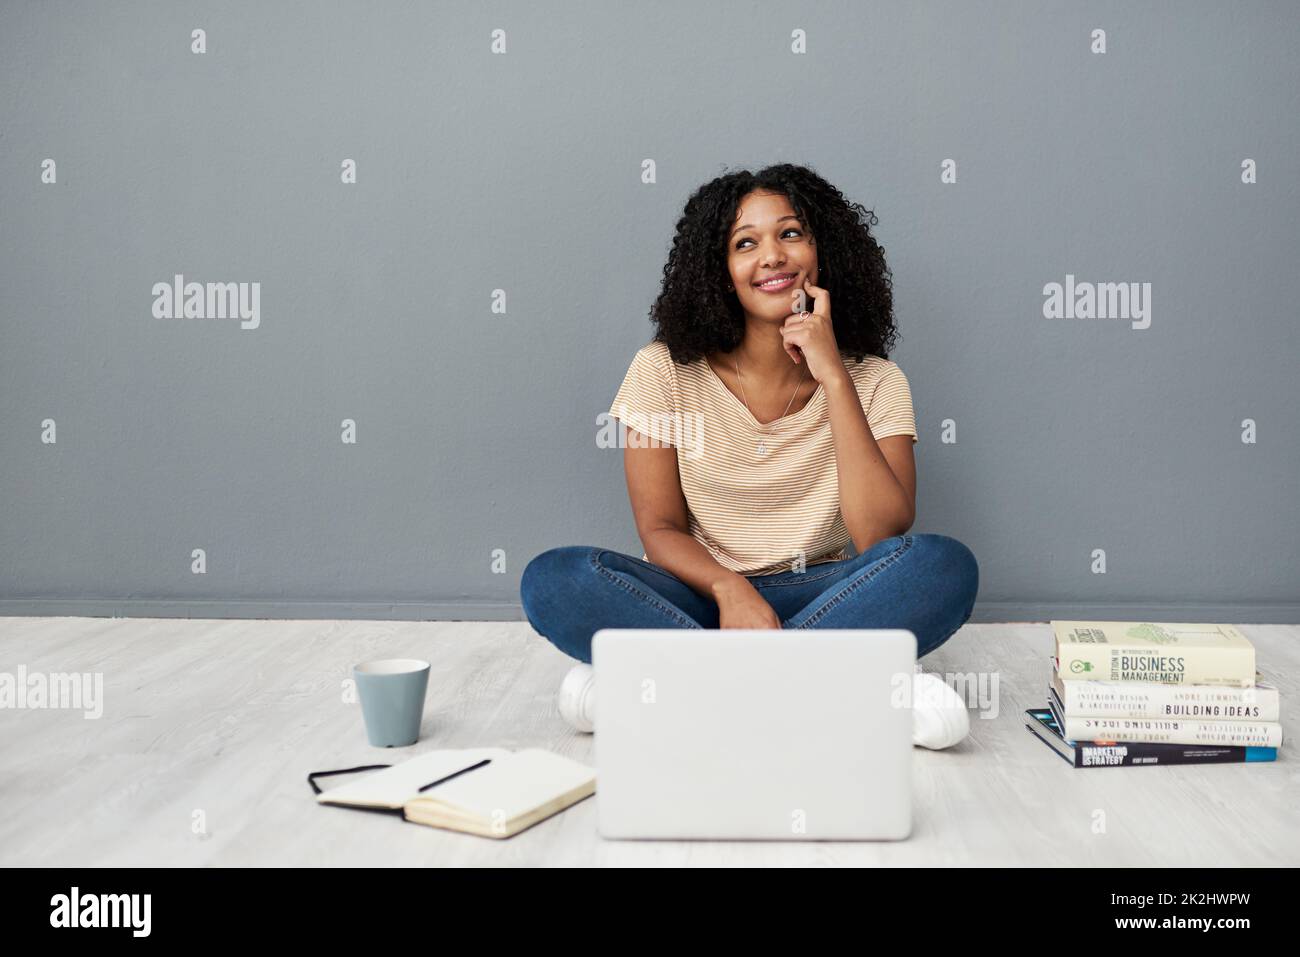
(392, 699)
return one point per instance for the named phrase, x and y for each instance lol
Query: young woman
(761, 440)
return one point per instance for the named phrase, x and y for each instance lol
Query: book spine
(1138, 754)
(1266, 734)
(1106, 699)
(1097, 661)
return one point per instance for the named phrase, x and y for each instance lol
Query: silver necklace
(762, 447)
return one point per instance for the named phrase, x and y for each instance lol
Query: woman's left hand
(811, 339)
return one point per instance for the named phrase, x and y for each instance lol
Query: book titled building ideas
(1140, 693)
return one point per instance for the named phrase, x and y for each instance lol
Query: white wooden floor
(227, 717)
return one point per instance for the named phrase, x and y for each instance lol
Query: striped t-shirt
(760, 498)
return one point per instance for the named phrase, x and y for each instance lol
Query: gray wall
(522, 172)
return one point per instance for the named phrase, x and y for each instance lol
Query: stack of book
(1137, 693)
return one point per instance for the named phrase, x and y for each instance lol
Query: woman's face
(768, 240)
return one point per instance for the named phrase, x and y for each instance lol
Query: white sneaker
(577, 697)
(939, 718)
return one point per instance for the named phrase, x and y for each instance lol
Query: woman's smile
(778, 286)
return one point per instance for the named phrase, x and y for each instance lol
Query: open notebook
(487, 791)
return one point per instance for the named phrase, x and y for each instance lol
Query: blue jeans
(924, 583)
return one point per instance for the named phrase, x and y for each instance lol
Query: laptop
(753, 734)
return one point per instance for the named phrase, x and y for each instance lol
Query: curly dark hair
(694, 315)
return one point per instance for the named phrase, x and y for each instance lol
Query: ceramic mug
(392, 699)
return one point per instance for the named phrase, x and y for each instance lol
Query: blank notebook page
(394, 786)
(513, 785)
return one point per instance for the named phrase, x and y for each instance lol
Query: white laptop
(799, 735)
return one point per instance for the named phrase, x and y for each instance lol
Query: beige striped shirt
(757, 512)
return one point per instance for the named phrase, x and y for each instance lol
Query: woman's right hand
(741, 606)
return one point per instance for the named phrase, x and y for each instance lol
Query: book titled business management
(1165, 652)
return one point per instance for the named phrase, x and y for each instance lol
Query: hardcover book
(1267, 734)
(1154, 699)
(1163, 652)
(1086, 754)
